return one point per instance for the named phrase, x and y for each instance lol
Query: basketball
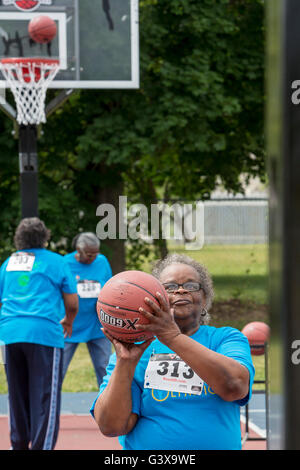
(42, 29)
(258, 333)
(119, 301)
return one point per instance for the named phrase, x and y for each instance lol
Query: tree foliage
(197, 118)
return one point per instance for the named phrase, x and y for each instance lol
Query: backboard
(96, 42)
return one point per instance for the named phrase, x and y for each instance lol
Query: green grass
(3, 386)
(240, 278)
(259, 364)
(80, 376)
(238, 271)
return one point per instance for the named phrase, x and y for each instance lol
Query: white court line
(257, 411)
(254, 427)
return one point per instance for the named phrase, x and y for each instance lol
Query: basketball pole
(28, 163)
(28, 159)
(28, 166)
(27, 136)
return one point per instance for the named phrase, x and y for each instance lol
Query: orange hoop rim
(29, 79)
(29, 61)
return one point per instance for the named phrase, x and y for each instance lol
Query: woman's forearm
(113, 408)
(228, 378)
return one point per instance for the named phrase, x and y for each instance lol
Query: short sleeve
(2, 277)
(234, 344)
(135, 390)
(1, 281)
(68, 284)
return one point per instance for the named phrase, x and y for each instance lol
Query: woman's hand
(113, 409)
(67, 327)
(161, 320)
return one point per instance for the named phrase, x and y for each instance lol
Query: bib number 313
(169, 372)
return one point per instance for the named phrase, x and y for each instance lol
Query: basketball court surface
(78, 430)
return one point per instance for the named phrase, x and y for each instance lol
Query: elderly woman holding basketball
(183, 390)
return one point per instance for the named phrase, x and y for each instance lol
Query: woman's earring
(204, 312)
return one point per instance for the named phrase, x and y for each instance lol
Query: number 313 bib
(170, 372)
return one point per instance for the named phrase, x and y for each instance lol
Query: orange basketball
(119, 301)
(42, 29)
(258, 334)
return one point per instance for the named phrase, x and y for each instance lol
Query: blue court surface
(256, 414)
(72, 403)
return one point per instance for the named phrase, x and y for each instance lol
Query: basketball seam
(117, 306)
(143, 288)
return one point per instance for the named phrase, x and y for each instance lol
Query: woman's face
(87, 255)
(187, 305)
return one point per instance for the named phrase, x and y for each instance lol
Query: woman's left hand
(161, 320)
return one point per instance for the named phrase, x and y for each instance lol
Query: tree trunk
(160, 245)
(115, 248)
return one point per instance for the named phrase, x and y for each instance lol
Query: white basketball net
(28, 81)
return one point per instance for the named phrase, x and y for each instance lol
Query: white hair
(87, 239)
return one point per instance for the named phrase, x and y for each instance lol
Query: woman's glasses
(189, 286)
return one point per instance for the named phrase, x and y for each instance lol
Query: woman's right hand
(129, 352)
(113, 409)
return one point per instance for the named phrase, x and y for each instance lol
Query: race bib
(20, 262)
(88, 289)
(170, 372)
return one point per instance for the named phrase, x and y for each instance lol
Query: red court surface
(81, 433)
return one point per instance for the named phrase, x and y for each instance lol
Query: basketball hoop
(28, 79)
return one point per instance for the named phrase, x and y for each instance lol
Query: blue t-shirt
(32, 299)
(90, 278)
(171, 420)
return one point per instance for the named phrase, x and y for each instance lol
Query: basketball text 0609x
(118, 322)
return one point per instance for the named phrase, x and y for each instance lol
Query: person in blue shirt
(183, 389)
(91, 270)
(35, 285)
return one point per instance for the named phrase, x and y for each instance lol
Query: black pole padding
(29, 194)
(28, 164)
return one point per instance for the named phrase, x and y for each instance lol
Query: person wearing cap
(90, 270)
(35, 287)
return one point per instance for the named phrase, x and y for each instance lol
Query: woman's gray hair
(204, 276)
(31, 233)
(87, 239)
